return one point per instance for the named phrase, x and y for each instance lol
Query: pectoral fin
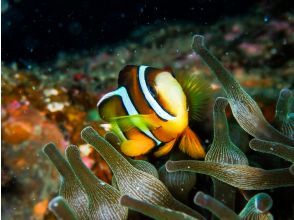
(143, 122)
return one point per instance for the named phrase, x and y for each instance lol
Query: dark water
(35, 30)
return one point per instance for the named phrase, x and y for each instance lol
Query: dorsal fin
(127, 74)
(168, 69)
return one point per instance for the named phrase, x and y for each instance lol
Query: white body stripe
(131, 110)
(153, 103)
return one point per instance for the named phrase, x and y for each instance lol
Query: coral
(28, 179)
(25, 123)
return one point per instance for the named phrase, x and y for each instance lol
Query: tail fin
(191, 145)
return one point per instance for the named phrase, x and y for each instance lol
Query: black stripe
(124, 107)
(147, 70)
(140, 87)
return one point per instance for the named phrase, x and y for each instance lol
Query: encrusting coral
(136, 184)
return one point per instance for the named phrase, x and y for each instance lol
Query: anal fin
(143, 122)
(190, 144)
(165, 149)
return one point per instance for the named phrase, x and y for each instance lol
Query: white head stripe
(131, 110)
(153, 103)
(122, 92)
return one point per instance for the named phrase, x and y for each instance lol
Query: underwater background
(58, 58)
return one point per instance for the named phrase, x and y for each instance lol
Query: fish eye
(173, 74)
(152, 91)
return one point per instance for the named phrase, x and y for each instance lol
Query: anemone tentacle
(244, 108)
(240, 176)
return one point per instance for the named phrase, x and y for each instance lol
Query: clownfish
(149, 111)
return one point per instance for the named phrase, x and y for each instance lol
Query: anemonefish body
(149, 110)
